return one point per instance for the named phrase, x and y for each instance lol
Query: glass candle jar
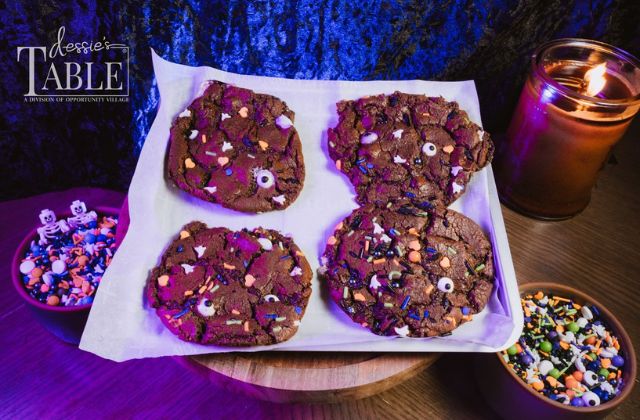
(578, 100)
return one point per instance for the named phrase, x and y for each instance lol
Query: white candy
(429, 149)
(200, 249)
(545, 367)
(280, 199)
(590, 399)
(204, 309)
(579, 365)
(226, 146)
(265, 243)
(445, 284)
(58, 267)
(224, 116)
(185, 114)
(455, 170)
(385, 238)
(582, 322)
(586, 312)
(47, 277)
(264, 178)
(297, 271)
(188, 269)
(368, 138)
(590, 378)
(283, 122)
(27, 266)
(374, 283)
(403, 332)
(398, 159)
(456, 187)
(398, 133)
(211, 190)
(377, 229)
(193, 135)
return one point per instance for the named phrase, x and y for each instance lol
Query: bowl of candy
(58, 266)
(573, 359)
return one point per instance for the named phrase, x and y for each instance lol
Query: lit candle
(577, 102)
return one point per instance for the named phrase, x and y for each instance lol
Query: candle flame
(595, 79)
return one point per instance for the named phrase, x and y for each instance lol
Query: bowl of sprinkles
(59, 265)
(572, 360)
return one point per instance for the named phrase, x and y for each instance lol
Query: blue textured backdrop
(53, 146)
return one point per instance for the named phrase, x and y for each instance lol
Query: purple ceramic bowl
(65, 322)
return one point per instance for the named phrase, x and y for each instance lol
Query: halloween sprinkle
(567, 352)
(64, 267)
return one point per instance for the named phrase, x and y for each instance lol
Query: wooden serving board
(310, 376)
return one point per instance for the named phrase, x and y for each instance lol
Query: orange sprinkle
(379, 261)
(366, 246)
(188, 292)
(605, 363)
(229, 266)
(445, 262)
(263, 144)
(339, 164)
(413, 231)
(578, 375)
(591, 340)
(564, 345)
(518, 348)
(611, 376)
(204, 138)
(539, 295)
(415, 245)
(428, 289)
(246, 326)
(448, 149)
(360, 297)
(332, 240)
(552, 381)
(559, 328)
(414, 256)
(570, 393)
(538, 386)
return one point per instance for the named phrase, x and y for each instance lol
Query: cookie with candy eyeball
(408, 270)
(237, 148)
(404, 145)
(230, 288)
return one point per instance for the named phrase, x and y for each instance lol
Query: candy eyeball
(205, 307)
(445, 284)
(590, 399)
(429, 149)
(265, 178)
(590, 378)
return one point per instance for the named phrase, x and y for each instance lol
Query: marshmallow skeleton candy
(51, 227)
(80, 215)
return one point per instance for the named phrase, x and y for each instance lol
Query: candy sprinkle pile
(566, 352)
(66, 268)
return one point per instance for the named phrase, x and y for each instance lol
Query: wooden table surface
(595, 251)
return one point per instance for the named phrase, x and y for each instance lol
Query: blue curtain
(49, 146)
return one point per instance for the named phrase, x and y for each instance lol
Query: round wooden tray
(303, 376)
(310, 376)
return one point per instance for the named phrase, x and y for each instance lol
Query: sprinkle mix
(64, 267)
(566, 352)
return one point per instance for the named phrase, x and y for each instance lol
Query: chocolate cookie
(407, 145)
(238, 148)
(216, 286)
(404, 270)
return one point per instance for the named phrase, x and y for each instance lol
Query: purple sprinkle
(228, 171)
(181, 313)
(271, 316)
(465, 310)
(405, 302)
(298, 310)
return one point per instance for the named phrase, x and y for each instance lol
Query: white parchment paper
(122, 326)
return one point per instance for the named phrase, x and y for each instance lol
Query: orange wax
(551, 156)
